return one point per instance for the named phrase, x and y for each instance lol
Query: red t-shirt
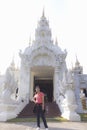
(38, 97)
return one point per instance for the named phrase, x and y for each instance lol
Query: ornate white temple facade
(43, 63)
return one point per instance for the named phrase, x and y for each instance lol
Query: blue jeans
(40, 113)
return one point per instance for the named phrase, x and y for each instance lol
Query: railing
(84, 103)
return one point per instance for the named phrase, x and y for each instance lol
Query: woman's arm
(33, 99)
(43, 102)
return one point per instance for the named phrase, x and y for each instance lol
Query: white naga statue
(69, 101)
(9, 87)
(10, 104)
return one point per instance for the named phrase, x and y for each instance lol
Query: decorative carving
(9, 87)
(42, 61)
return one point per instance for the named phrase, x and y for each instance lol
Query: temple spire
(43, 32)
(43, 14)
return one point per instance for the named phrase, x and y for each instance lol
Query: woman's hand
(42, 106)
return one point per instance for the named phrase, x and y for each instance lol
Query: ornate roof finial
(29, 40)
(72, 65)
(56, 41)
(13, 63)
(43, 14)
(76, 59)
(77, 62)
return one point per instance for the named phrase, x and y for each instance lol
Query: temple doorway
(46, 86)
(44, 77)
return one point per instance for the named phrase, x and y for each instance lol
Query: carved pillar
(28, 74)
(56, 82)
(24, 82)
(77, 93)
(31, 84)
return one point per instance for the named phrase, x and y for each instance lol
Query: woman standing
(38, 99)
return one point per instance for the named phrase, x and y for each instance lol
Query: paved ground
(52, 126)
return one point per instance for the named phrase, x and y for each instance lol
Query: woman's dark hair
(37, 87)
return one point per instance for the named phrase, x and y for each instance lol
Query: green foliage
(55, 119)
(83, 117)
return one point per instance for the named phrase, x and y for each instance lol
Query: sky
(67, 20)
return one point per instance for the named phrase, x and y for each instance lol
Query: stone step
(52, 110)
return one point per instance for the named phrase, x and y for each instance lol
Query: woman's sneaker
(38, 128)
(46, 128)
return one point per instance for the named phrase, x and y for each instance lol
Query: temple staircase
(52, 110)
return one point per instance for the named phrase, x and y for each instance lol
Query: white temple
(43, 60)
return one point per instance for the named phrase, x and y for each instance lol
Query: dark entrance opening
(46, 86)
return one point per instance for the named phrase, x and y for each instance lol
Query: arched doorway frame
(41, 56)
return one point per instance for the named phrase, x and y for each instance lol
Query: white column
(27, 83)
(24, 82)
(21, 82)
(31, 84)
(56, 82)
